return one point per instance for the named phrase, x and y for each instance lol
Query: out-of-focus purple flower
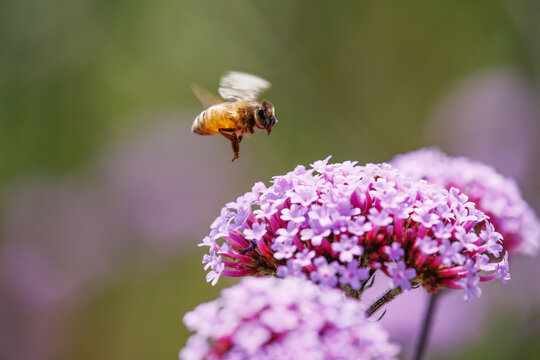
(371, 215)
(491, 116)
(269, 318)
(54, 254)
(66, 239)
(497, 196)
(148, 184)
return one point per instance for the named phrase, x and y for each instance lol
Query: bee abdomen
(214, 118)
(200, 125)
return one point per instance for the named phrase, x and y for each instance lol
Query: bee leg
(236, 147)
(251, 246)
(235, 141)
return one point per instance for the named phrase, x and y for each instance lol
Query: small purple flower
(304, 195)
(288, 234)
(451, 253)
(265, 211)
(425, 216)
(269, 318)
(325, 273)
(256, 232)
(493, 240)
(467, 239)
(213, 275)
(400, 275)
(210, 259)
(359, 226)
(427, 245)
(304, 258)
(291, 269)
(443, 230)
(295, 214)
(352, 275)
(379, 218)
(283, 250)
(240, 217)
(503, 270)
(321, 214)
(463, 214)
(470, 284)
(394, 251)
(314, 233)
(208, 241)
(347, 248)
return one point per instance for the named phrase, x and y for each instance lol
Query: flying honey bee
(237, 112)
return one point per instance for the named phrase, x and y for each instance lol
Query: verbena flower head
(269, 318)
(497, 196)
(335, 224)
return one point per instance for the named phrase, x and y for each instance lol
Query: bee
(236, 112)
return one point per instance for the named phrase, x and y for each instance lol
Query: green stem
(386, 298)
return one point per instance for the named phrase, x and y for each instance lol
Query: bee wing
(206, 98)
(241, 86)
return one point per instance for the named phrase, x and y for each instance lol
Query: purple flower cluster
(336, 224)
(269, 318)
(497, 196)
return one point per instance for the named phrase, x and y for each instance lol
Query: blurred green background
(356, 79)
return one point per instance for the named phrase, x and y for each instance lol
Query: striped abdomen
(220, 116)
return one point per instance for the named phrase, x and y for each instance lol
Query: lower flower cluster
(269, 318)
(336, 224)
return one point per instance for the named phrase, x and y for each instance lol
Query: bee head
(265, 116)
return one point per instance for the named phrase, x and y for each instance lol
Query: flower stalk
(425, 330)
(383, 300)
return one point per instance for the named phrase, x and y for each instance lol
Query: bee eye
(260, 112)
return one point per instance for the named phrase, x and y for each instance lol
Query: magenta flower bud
(497, 196)
(269, 318)
(336, 224)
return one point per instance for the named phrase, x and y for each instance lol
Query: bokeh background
(104, 192)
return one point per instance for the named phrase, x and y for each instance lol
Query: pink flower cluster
(336, 224)
(269, 318)
(497, 196)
